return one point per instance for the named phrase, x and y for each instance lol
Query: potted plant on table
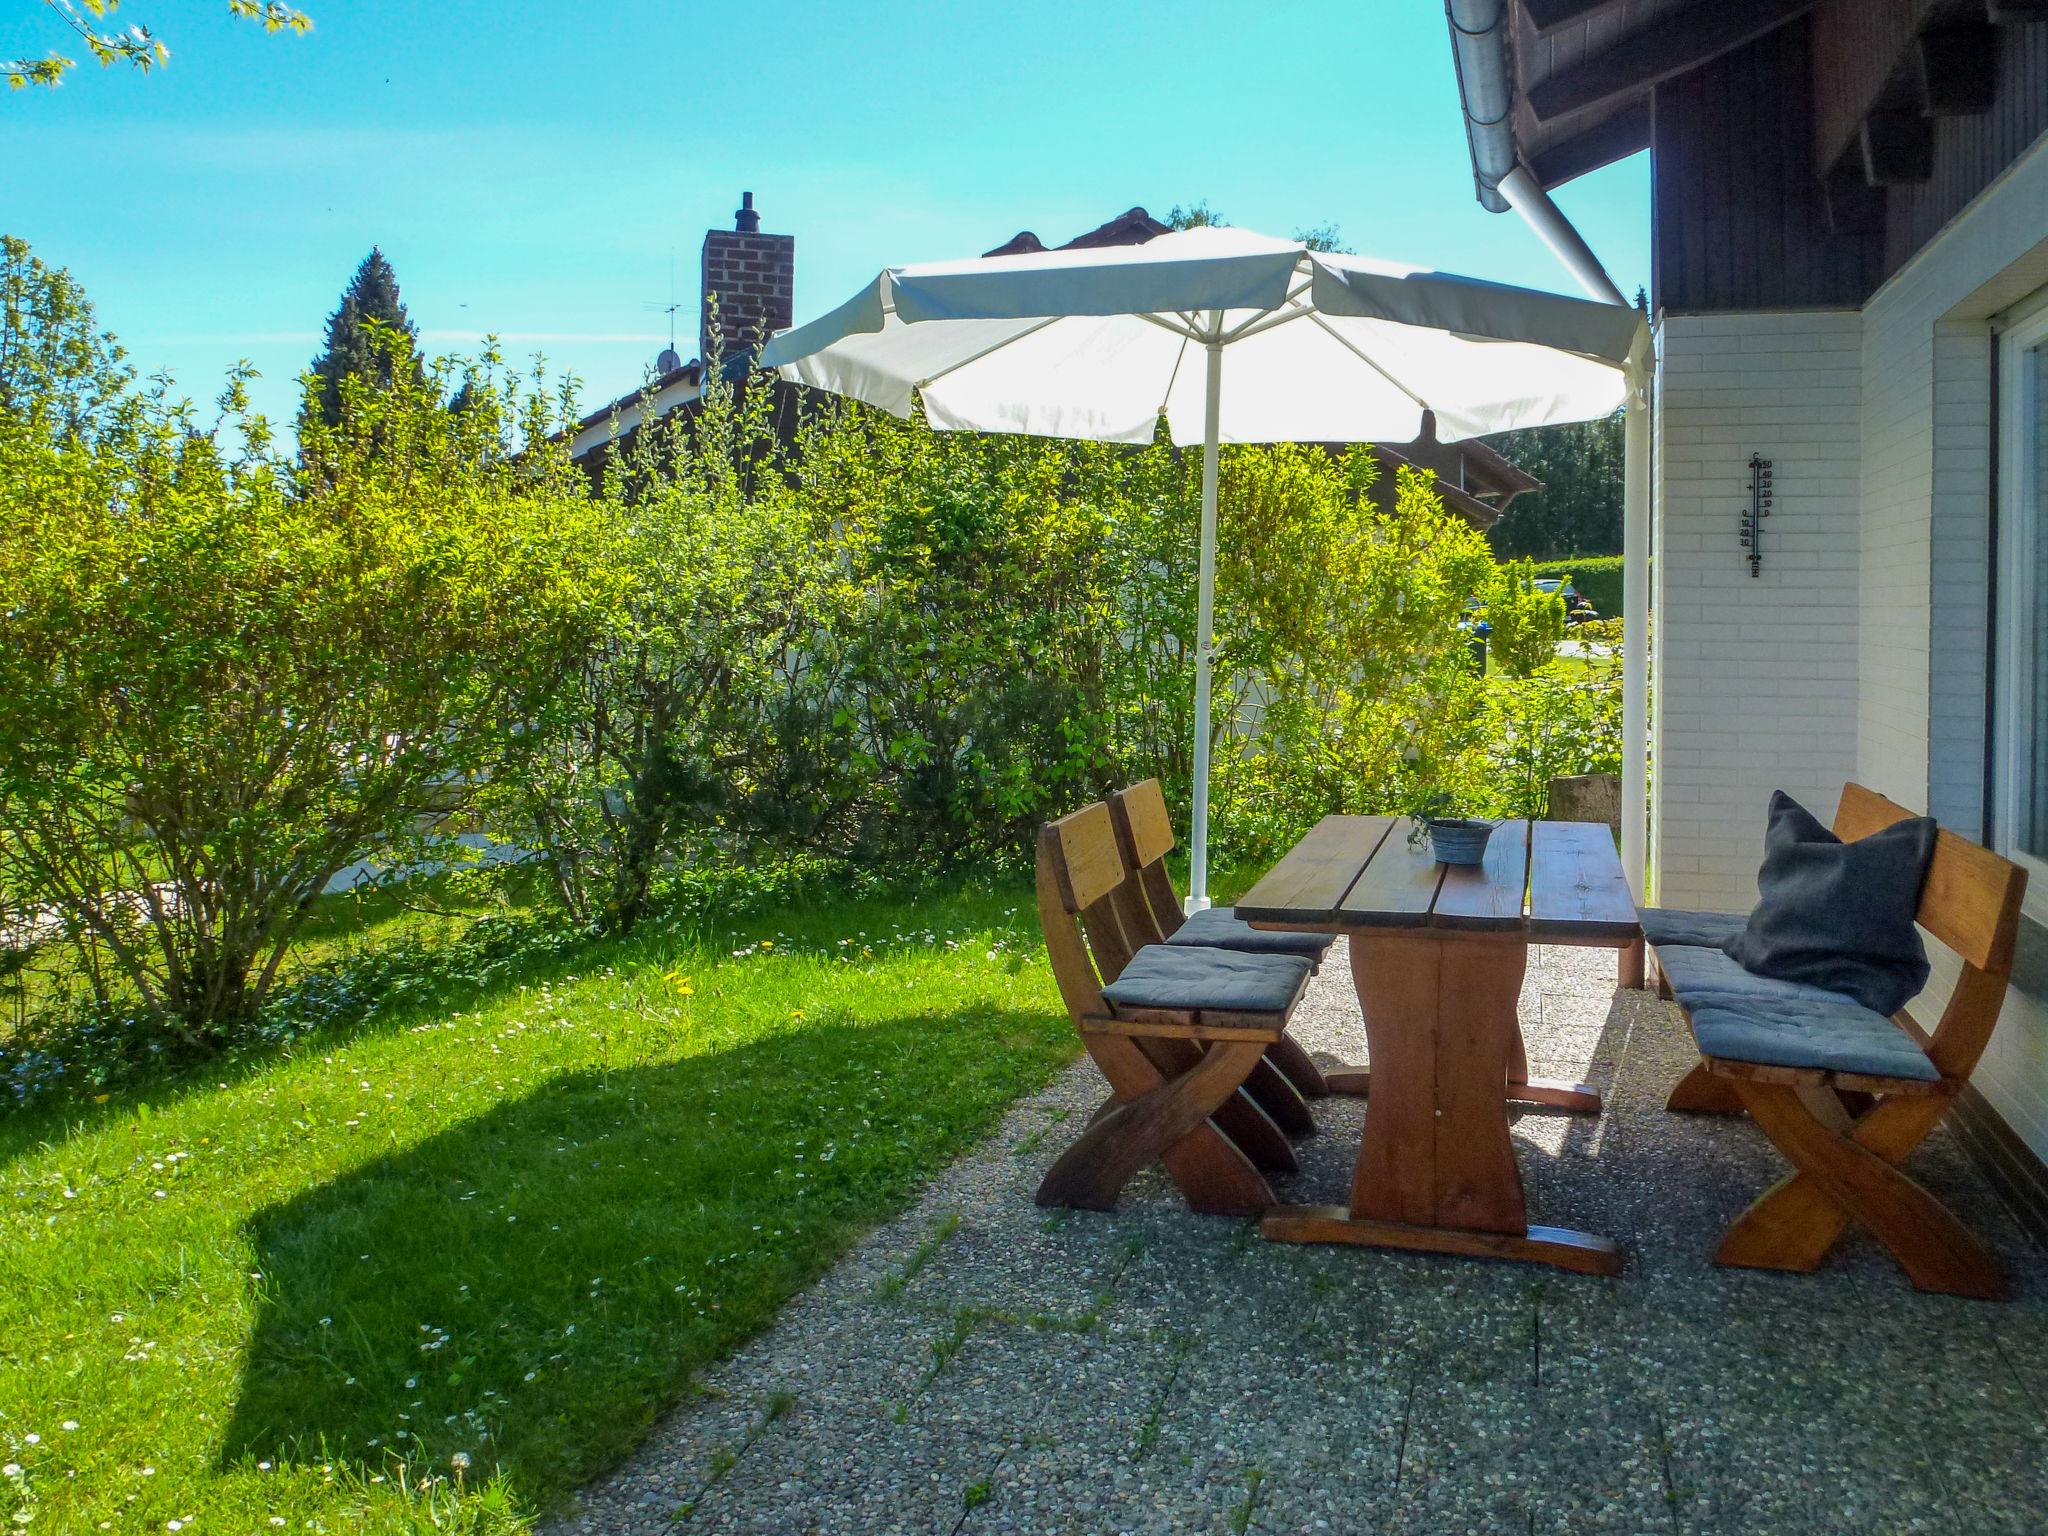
(1441, 825)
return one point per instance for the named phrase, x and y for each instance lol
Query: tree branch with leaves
(135, 44)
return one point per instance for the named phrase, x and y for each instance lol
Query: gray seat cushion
(1835, 1036)
(1221, 928)
(1187, 977)
(1708, 975)
(1677, 925)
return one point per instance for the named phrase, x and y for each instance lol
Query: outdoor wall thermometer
(1759, 508)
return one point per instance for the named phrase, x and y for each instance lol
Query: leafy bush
(857, 645)
(230, 675)
(701, 710)
(976, 691)
(909, 647)
(1526, 623)
(1549, 723)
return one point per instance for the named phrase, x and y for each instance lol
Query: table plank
(1577, 891)
(1307, 885)
(1397, 888)
(1488, 895)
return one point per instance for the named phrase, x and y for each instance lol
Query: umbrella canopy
(1233, 337)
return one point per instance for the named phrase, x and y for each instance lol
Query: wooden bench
(1847, 1131)
(1151, 911)
(1181, 1035)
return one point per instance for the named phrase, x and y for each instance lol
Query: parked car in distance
(1576, 609)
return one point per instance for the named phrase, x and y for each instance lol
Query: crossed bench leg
(1847, 1171)
(1156, 1118)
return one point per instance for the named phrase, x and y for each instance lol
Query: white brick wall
(1925, 575)
(1755, 677)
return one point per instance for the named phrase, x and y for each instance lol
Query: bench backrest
(1971, 903)
(1081, 879)
(1144, 836)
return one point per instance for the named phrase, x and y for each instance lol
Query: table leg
(1520, 1087)
(1436, 1167)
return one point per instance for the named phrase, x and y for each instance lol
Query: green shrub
(1598, 578)
(229, 675)
(1526, 623)
(701, 713)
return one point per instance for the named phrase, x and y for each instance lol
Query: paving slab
(980, 1365)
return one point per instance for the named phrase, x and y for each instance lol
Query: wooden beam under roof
(1956, 69)
(1898, 148)
(1671, 45)
(1611, 139)
(1549, 15)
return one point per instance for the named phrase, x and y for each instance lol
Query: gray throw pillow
(1839, 915)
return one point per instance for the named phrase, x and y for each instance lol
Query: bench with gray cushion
(1221, 928)
(1150, 910)
(1844, 1092)
(1184, 1036)
(1206, 981)
(1703, 930)
(1740, 1017)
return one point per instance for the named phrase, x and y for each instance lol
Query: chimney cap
(744, 219)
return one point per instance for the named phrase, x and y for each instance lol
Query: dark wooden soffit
(1548, 16)
(1859, 47)
(1881, 64)
(1612, 138)
(1669, 46)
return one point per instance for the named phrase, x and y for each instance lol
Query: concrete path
(981, 1365)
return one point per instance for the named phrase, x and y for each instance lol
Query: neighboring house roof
(1134, 226)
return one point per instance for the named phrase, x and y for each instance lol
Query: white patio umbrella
(1234, 337)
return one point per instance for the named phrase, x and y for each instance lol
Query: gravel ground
(981, 1365)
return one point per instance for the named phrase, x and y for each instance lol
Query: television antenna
(670, 359)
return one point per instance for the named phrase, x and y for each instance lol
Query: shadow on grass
(532, 1288)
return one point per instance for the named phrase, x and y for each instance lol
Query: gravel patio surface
(981, 1365)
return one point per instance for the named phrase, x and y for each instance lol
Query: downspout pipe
(1480, 44)
(1527, 198)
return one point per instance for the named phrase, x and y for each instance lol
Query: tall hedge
(1598, 578)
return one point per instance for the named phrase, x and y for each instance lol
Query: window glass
(2031, 498)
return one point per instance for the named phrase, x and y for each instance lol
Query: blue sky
(533, 169)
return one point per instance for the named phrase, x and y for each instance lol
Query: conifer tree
(371, 295)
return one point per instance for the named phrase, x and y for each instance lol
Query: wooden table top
(1553, 882)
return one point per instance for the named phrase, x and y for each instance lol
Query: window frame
(2021, 530)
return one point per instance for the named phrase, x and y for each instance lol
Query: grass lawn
(503, 1223)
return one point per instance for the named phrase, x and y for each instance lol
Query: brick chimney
(753, 277)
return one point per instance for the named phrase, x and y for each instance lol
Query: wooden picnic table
(1438, 954)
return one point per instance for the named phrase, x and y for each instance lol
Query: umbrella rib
(1287, 309)
(1178, 358)
(1258, 325)
(1346, 343)
(1185, 333)
(998, 346)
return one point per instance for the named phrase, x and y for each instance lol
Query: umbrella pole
(1205, 623)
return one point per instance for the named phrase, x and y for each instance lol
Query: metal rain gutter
(1479, 45)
